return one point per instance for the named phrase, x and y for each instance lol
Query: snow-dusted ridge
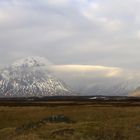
(31, 62)
(26, 78)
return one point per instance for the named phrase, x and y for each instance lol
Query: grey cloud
(71, 32)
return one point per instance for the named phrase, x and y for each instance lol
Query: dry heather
(80, 122)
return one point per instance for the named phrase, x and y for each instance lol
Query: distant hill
(136, 92)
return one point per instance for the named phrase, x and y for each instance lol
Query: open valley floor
(67, 120)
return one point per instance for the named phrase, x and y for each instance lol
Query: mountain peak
(31, 61)
(26, 78)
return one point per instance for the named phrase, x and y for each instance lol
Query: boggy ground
(79, 122)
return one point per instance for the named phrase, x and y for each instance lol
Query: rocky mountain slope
(27, 77)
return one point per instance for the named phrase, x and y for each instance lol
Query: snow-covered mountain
(28, 77)
(93, 85)
(33, 76)
(112, 87)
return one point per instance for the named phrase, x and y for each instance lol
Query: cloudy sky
(85, 40)
(84, 32)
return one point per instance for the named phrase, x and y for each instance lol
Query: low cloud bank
(99, 80)
(87, 70)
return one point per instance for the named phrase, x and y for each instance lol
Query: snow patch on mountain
(31, 62)
(27, 77)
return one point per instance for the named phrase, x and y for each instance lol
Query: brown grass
(91, 123)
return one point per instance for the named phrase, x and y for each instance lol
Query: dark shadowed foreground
(102, 120)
